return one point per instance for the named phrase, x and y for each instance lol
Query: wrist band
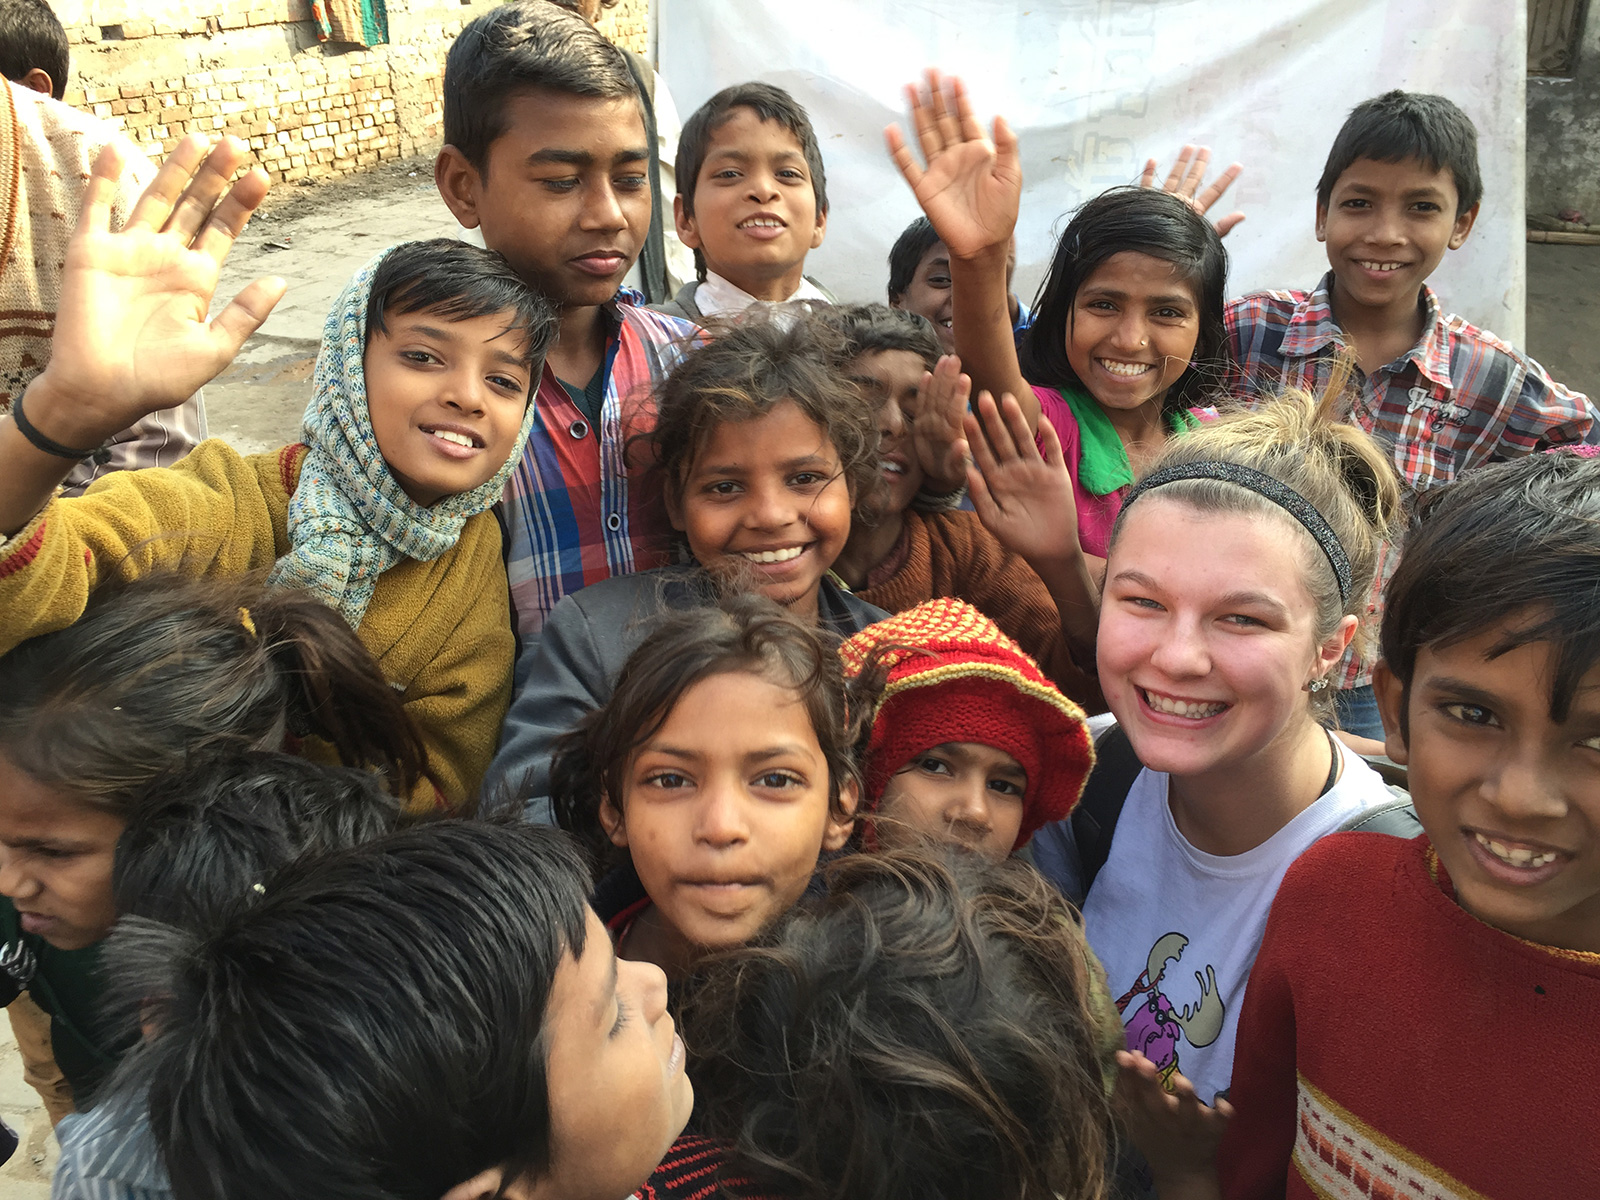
(26, 427)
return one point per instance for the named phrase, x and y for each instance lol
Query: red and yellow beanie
(954, 677)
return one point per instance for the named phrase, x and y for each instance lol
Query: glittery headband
(1286, 498)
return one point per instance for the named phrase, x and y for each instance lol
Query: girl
(151, 674)
(763, 448)
(1127, 335)
(714, 776)
(1236, 571)
(419, 415)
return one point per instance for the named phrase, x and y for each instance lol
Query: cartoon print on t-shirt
(1157, 1025)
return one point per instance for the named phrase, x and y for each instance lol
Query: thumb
(245, 314)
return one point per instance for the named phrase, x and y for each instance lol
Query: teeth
(1378, 266)
(1515, 856)
(450, 435)
(1197, 709)
(892, 467)
(1124, 368)
(775, 556)
(761, 223)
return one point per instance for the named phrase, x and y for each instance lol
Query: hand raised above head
(1184, 181)
(970, 188)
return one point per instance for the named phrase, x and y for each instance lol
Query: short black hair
(31, 36)
(872, 328)
(460, 281)
(518, 46)
(906, 253)
(371, 1027)
(1400, 125)
(1510, 543)
(201, 836)
(770, 103)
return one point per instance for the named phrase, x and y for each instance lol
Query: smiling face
(1135, 322)
(726, 810)
(765, 501)
(56, 854)
(1387, 226)
(565, 195)
(1509, 797)
(928, 294)
(755, 208)
(1207, 638)
(965, 792)
(891, 379)
(446, 399)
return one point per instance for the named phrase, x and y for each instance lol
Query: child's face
(892, 379)
(755, 208)
(929, 294)
(725, 809)
(963, 791)
(765, 500)
(1206, 639)
(56, 854)
(1509, 797)
(618, 1092)
(446, 399)
(1135, 322)
(1387, 226)
(566, 196)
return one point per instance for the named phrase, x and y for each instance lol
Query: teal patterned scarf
(349, 519)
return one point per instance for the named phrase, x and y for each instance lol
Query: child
(419, 415)
(33, 47)
(969, 741)
(930, 1026)
(919, 282)
(1466, 962)
(1400, 187)
(752, 202)
(1127, 335)
(202, 838)
(162, 669)
(762, 450)
(546, 155)
(714, 776)
(897, 557)
(1236, 571)
(436, 1013)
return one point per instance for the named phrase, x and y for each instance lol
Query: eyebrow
(447, 335)
(582, 158)
(1245, 599)
(781, 750)
(1462, 689)
(1137, 578)
(788, 464)
(739, 154)
(1118, 294)
(1430, 192)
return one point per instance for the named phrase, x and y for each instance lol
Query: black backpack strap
(1094, 821)
(1397, 818)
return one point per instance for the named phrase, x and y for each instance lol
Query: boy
(752, 201)
(1421, 1017)
(1401, 186)
(33, 47)
(546, 153)
(919, 282)
(969, 741)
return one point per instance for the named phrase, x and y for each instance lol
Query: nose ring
(1143, 342)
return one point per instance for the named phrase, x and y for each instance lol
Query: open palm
(1023, 497)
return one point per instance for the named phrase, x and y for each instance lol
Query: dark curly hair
(923, 1028)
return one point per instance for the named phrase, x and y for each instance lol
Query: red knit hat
(954, 677)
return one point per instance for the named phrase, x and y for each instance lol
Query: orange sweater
(952, 554)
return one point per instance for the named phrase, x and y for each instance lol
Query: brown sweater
(952, 554)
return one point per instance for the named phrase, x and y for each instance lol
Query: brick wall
(161, 69)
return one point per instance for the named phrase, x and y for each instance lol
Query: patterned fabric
(46, 150)
(696, 1168)
(350, 519)
(1457, 399)
(109, 1153)
(573, 511)
(954, 677)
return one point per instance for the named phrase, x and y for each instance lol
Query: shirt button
(578, 429)
(613, 522)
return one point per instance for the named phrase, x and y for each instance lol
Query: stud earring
(1317, 685)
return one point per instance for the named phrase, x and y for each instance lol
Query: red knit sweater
(1391, 1045)
(696, 1168)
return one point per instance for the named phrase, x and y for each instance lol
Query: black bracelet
(26, 427)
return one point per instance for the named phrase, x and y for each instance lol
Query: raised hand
(1023, 497)
(1184, 181)
(1173, 1128)
(937, 429)
(132, 335)
(970, 188)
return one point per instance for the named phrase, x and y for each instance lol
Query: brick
(130, 91)
(200, 79)
(138, 29)
(136, 106)
(119, 107)
(232, 20)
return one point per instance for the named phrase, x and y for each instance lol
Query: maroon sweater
(1391, 1045)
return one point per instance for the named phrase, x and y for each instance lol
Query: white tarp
(1094, 87)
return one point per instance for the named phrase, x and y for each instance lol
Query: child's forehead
(892, 368)
(784, 432)
(541, 118)
(742, 129)
(1403, 175)
(992, 758)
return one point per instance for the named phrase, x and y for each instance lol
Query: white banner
(1094, 87)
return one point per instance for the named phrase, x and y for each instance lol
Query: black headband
(1286, 498)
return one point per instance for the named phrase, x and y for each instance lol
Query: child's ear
(1322, 222)
(838, 832)
(612, 822)
(483, 1186)
(821, 230)
(1390, 694)
(1463, 226)
(459, 183)
(688, 233)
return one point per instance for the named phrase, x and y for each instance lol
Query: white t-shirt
(1178, 930)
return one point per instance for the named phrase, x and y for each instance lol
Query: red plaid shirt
(1457, 399)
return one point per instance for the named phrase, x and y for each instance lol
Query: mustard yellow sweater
(441, 630)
